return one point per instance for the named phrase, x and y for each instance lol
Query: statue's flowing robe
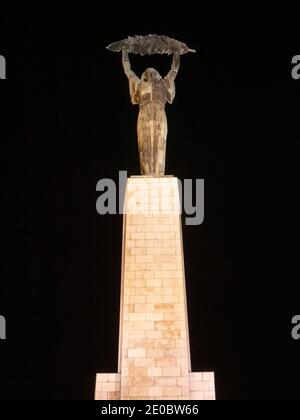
(152, 124)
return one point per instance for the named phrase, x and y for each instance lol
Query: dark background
(67, 122)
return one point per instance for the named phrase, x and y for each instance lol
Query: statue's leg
(153, 141)
(161, 146)
(149, 132)
(144, 143)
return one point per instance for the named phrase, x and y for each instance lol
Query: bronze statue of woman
(151, 92)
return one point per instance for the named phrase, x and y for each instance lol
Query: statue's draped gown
(151, 93)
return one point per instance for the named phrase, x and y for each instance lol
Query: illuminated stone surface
(154, 352)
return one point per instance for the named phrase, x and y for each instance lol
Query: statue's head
(151, 75)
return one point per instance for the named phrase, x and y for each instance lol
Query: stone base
(108, 386)
(154, 349)
(202, 387)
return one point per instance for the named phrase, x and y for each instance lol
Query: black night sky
(67, 122)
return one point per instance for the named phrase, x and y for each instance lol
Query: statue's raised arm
(174, 68)
(134, 81)
(127, 66)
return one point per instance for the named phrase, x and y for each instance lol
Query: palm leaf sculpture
(149, 45)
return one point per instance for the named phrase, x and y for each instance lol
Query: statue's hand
(176, 59)
(175, 65)
(126, 65)
(125, 55)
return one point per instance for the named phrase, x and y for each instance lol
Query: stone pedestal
(154, 352)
